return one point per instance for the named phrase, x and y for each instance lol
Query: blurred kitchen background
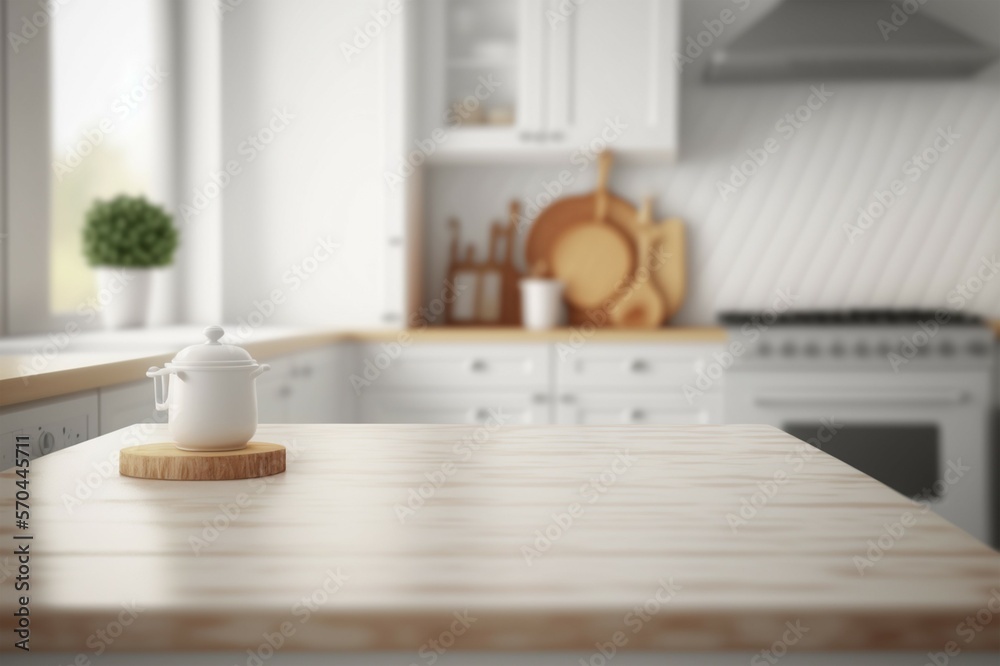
(341, 175)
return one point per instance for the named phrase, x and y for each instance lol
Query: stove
(869, 340)
(908, 390)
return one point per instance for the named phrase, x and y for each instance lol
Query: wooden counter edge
(16, 390)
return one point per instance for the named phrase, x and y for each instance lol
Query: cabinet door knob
(636, 415)
(482, 414)
(540, 398)
(639, 365)
(567, 399)
(478, 365)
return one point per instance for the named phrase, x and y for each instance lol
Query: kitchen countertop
(637, 517)
(46, 367)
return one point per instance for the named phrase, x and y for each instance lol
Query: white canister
(210, 395)
(541, 303)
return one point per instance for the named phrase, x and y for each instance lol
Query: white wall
(785, 227)
(319, 178)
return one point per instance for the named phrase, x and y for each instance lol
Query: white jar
(211, 396)
(541, 303)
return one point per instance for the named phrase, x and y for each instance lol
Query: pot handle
(160, 386)
(261, 369)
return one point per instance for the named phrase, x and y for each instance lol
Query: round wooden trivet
(165, 461)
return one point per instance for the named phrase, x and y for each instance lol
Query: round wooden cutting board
(165, 461)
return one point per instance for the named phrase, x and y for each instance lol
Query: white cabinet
(610, 75)
(521, 77)
(455, 406)
(538, 383)
(128, 404)
(468, 366)
(644, 383)
(460, 383)
(51, 424)
(307, 387)
(632, 408)
(274, 391)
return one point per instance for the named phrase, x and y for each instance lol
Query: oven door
(926, 436)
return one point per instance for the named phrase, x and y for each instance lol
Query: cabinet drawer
(472, 407)
(663, 408)
(454, 366)
(598, 365)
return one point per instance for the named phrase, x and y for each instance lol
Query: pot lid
(213, 353)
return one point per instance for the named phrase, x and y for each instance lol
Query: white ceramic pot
(210, 395)
(123, 296)
(541, 303)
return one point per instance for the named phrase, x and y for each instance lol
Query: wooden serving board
(669, 257)
(165, 461)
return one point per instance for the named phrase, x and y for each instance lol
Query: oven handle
(869, 399)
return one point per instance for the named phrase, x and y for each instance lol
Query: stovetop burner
(852, 317)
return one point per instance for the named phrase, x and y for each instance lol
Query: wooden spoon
(641, 305)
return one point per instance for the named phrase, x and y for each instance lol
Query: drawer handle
(482, 414)
(639, 365)
(636, 415)
(478, 365)
(540, 398)
(567, 399)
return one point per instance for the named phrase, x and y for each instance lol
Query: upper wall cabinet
(523, 78)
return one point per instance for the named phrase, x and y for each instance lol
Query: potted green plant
(125, 239)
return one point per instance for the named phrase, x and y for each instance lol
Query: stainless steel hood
(848, 39)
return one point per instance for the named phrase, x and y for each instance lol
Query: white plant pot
(123, 296)
(541, 303)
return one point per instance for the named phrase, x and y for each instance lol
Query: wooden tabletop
(383, 537)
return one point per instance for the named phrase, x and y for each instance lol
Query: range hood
(847, 39)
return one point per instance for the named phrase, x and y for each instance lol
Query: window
(89, 115)
(109, 92)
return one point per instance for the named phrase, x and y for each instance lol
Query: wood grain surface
(164, 461)
(549, 537)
